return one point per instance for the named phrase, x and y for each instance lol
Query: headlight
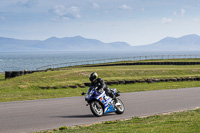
(86, 97)
(89, 94)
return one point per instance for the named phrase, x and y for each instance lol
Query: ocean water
(18, 61)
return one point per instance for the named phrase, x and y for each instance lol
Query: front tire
(96, 108)
(120, 108)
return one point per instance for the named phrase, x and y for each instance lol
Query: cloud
(27, 3)
(166, 20)
(142, 9)
(180, 13)
(58, 19)
(125, 7)
(174, 13)
(63, 13)
(95, 6)
(183, 12)
(196, 20)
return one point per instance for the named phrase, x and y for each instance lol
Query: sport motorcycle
(101, 104)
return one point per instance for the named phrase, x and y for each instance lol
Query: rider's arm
(102, 84)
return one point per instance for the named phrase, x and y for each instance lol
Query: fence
(135, 58)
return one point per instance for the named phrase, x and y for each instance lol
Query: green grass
(153, 60)
(155, 86)
(2, 76)
(28, 87)
(179, 122)
(7, 95)
(80, 75)
(162, 60)
(172, 60)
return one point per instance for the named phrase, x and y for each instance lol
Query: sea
(18, 61)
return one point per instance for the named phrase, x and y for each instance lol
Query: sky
(137, 22)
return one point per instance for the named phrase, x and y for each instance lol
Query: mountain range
(78, 43)
(184, 43)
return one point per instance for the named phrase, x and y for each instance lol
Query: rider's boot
(113, 97)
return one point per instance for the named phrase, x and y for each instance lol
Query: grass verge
(178, 122)
(7, 95)
(2, 76)
(152, 60)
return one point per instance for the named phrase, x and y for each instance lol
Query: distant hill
(185, 43)
(76, 43)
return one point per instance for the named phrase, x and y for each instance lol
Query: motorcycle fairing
(107, 102)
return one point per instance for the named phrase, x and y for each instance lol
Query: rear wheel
(120, 107)
(96, 108)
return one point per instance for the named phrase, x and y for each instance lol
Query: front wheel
(120, 107)
(96, 108)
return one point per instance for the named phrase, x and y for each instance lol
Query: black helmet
(93, 76)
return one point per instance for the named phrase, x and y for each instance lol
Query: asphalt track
(37, 115)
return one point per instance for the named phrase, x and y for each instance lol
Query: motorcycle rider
(98, 82)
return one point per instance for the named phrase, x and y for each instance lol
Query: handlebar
(83, 93)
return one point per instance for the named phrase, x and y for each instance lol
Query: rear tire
(96, 108)
(120, 108)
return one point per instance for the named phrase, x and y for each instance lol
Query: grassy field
(171, 60)
(28, 87)
(7, 95)
(179, 122)
(155, 60)
(2, 76)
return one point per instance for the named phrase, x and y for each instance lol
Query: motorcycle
(101, 104)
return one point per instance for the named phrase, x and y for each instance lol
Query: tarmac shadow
(83, 116)
(77, 116)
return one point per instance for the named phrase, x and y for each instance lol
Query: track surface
(36, 115)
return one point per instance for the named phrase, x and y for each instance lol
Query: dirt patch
(84, 74)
